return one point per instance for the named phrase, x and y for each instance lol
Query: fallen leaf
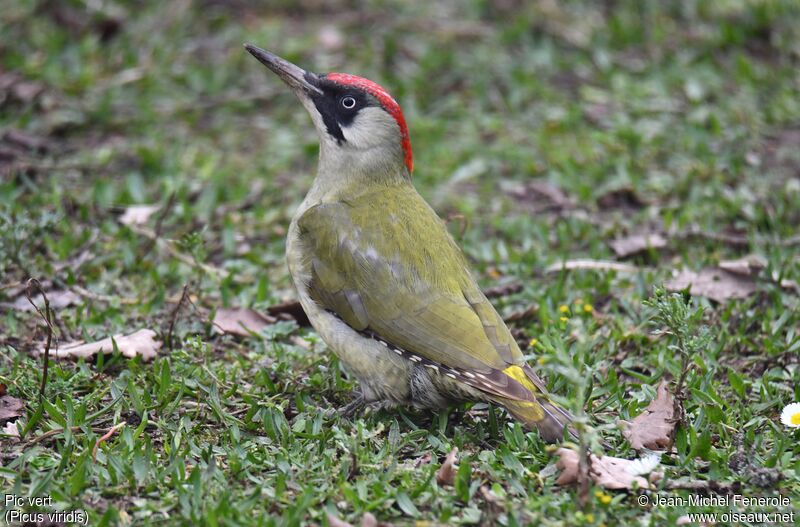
(522, 314)
(333, 521)
(10, 429)
(291, 309)
(58, 299)
(138, 214)
(10, 408)
(790, 285)
(299, 341)
(717, 284)
(241, 321)
(493, 502)
(745, 266)
(503, 290)
(621, 198)
(422, 460)
(14, 86)
(541, 196)
(447, 472)
(142, 343)
(25, 140)
(637, 243)
(607, 471)
(591, 265)
(654, 428)
(368, 520)
(3, 389)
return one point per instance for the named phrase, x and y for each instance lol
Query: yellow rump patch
(518, 374)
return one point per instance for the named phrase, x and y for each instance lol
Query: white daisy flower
(790, 416)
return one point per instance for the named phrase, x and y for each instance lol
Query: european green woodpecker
(378, 274)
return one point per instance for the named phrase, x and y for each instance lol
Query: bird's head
(357, 120)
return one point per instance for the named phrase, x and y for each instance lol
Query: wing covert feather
(373, 264)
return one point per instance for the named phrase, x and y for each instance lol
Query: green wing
(384, 262)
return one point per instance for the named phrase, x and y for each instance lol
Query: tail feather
(547, 417)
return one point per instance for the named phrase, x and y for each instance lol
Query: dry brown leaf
(654, 428)
(591, 265)
(637, 243)
(541, 196)
(607, 471)
(10, 429)
(58, 299)
(717, 284)
(10, 408)
(142, 344)
(624, 198)
(17, 87)
(138, 214)
(745, 266)
(503, 290)
(494, 504)
(790, 285)
(333, 521)
(447, 472)
(291, 309)
(240, 321)
(422, 460)
(25, 140)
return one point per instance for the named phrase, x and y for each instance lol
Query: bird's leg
(354, 406)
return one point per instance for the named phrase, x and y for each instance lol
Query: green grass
(694, 108)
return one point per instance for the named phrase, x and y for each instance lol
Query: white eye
(349, 103)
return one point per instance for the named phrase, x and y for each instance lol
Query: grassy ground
(553, 127)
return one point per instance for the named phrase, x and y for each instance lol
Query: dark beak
(300, 80)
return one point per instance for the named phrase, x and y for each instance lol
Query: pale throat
(346, 171)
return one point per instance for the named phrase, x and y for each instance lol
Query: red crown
(387, 102)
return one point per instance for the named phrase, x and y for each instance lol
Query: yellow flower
(790, 416)
(533, 342)
(563, 319)
(604, 498)
(541, 360)
(564, 308)
(588, 308)
(590, 518)
(493, 273)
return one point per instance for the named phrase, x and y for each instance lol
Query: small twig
(33, 287)
(162, 215)
(54, 432)
(105, 437)
(85, 293)
(680, 395)
(175, 312)
(584, 468)
(463, 220)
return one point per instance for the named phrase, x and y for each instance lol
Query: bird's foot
(353, 407)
